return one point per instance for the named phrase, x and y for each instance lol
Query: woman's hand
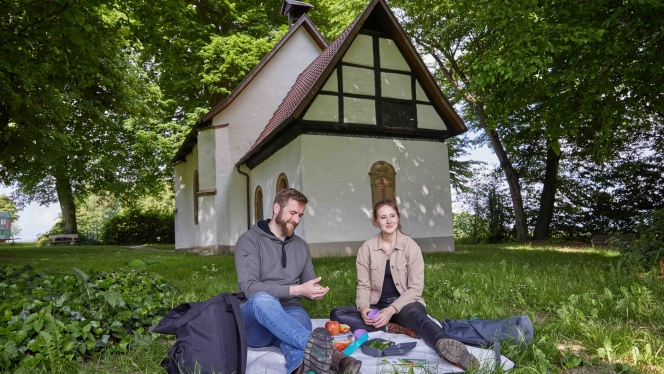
(364, 311)
(384, 317)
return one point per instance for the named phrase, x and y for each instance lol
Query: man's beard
(283, 225)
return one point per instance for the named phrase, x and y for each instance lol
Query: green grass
(160, 246)
(588, 314)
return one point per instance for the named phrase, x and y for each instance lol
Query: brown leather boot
(395, 328)
(345, 364)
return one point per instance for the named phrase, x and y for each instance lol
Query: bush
(648, 250)
(47, 319)
(134, 226)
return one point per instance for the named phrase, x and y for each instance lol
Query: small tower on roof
(294, 10)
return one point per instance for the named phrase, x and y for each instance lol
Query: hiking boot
(318, 352)
(345, 364)
(456, 353)
(395, 328)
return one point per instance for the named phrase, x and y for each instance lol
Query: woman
(390, 278)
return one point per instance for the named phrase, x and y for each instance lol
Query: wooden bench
(62, 239)
(603, 239)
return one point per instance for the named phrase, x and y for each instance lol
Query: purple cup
(373, 313)
(359, 332)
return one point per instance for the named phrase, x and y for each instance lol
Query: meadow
(589, 315)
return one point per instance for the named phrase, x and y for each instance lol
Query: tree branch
(26, 28)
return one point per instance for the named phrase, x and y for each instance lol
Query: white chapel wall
(207, 180)
(287, 161)
(251, 111)
(186, 232)
(336, 179)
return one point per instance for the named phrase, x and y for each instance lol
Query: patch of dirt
(588, 370)
(574, 349)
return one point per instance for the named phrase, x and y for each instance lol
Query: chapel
(348, 123)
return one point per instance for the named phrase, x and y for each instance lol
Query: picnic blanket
(270, 360)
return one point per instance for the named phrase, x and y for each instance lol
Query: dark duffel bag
(210, 337)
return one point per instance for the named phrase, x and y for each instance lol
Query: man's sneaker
(456, 353)
(395, 328)
(318, 352)
(343, 364)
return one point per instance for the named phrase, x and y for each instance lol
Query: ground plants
(46, 319)
(647, 251)
(589, 314)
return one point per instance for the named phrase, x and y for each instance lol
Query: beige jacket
(406, 265)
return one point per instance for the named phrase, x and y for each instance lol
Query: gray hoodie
(258, 264)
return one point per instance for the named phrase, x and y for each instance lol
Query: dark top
(390, 292)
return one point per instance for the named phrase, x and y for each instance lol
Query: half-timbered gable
(363, 120)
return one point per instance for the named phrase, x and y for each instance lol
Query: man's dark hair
(289, 193)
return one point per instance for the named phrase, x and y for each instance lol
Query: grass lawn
(589, 316)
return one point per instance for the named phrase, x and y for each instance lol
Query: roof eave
(267, 139)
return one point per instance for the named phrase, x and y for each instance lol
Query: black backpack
(210, 337)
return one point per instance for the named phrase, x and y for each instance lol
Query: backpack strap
(233, 306)
(496, 350)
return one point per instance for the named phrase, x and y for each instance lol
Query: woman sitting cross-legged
(390, 278)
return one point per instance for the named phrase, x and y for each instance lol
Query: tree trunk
(548, 197)
(510, 174)
(67, 204)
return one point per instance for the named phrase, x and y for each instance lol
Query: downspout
(248, 196)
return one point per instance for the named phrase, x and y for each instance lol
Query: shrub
(45, 319)
(134, 226)
(648, 250)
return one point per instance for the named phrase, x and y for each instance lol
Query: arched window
(196, 189)
(258, 204)
(383, 182)
(282, 182)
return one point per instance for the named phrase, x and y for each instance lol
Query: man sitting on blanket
(274, 270)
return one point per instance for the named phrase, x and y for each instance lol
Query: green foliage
(469, 228)
(228, 59)
(46, 319)
(135, 226)
(647, 251)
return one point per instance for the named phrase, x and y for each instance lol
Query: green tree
(536, 77)
(77, 110)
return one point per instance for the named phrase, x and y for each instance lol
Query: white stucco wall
(287, 161)
(335, 177)
(186, 232)
(251, 111)
(207, 180)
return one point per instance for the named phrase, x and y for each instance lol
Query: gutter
(248, 196)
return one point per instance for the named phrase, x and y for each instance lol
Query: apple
(333, 327)
(344, 328)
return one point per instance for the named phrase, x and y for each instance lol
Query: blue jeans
(267, 322)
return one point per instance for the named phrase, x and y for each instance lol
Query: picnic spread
(270, 360)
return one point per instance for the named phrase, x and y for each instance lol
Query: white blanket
(270, 360)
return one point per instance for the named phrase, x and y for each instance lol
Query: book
(412, 362)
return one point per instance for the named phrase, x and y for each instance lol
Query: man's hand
(311, 289)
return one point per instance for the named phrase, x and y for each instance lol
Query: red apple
(344, 328)
(333, 327)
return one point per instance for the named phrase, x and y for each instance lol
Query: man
(274, 270)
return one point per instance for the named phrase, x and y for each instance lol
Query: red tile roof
(303, 85)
